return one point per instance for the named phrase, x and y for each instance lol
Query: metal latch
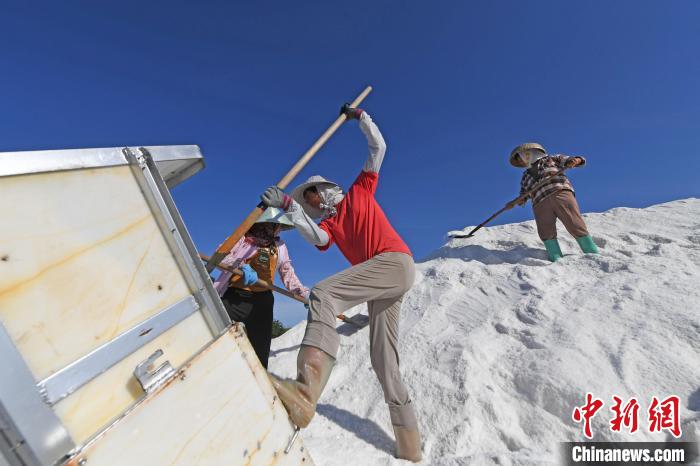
(291, 441)
(152, 380)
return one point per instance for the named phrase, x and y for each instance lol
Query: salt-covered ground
(498, 345)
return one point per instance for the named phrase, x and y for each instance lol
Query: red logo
(586, 412)
(663, 415)
(627, 416)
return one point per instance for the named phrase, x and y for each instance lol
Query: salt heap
(498, 345)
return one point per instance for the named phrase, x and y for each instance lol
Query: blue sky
(457, 85)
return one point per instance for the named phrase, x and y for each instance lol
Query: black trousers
(254, 309)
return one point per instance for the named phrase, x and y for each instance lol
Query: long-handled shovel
(233, 238)
(508, 206)
(354, 320)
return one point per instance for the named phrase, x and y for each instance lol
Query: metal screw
(82, 462)
(183, 376)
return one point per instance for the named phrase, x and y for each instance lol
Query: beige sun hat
(523, 148)
(298, 194)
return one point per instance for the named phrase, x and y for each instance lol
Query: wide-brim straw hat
(523, 148)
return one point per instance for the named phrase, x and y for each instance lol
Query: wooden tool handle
(233, 238)
(262, 283)
(294, 171)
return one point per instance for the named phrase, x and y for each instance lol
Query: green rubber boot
(587, 244)
(553, 249)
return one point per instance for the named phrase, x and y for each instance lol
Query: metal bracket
(139, 156)
(150, 381)
(69, 379)
(30, 431)
(176, 236)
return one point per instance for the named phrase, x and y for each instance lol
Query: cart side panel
(82, 260)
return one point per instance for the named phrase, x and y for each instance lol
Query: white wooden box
(97, 273)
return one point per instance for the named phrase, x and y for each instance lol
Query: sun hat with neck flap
(315, 181)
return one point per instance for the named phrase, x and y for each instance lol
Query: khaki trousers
(561, 205)
(381, 282)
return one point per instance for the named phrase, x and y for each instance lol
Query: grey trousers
(561, 205)
(381, 282)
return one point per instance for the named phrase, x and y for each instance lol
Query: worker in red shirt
(382, 272)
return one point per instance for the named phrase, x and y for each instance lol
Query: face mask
(263, 234)
(330, 197)
(530, 156)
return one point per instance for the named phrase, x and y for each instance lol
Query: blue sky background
(457, 85)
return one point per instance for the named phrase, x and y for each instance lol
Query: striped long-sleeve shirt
(546, 167)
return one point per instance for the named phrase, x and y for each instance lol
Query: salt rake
(508, 206)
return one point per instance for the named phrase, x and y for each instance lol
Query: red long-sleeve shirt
(360, 227)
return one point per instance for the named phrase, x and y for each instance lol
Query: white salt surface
(498, 345)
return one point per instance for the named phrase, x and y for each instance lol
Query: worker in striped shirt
(553, 196)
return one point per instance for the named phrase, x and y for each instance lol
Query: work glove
(573, 162)
(275, 197)
(350, 113)
(250, 276)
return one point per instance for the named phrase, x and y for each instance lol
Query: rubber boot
(300, 396)
(553, 249)
(407, 443)
(587, 244)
